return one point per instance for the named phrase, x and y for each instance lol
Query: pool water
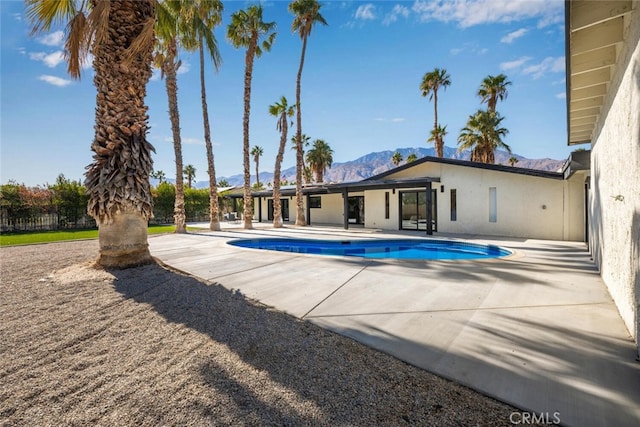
(417, 249)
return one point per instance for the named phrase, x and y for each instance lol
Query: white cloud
(510, 65)
(392, 120)
(53, 80)
(184, 67)
(366, 12)
(468, 13)
(54, 39)
(548, 64)
(51, 60)
(456, 50)
(397, 11)
(509, 38)
(561, 95)
(189, 141)
(17, 16)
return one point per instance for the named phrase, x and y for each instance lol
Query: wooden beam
(581, 136)
(593, 60)
(583, 104)
(581, 128)
(604, 34)
(589, 112)
(582, 121)
(588, 13)
(588, 92)
(592, 78)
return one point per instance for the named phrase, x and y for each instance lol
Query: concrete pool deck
(537, 330)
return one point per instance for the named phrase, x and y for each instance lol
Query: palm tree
(437, 136)
(257, 152)
(483, 135)
(412, 158)
(306, 14)
(117, 180)
(396, 158)
(513, 160)
(159, 175)
(190, 174)
(168, 28)
(319, 158)
(492, 89)
(306, 140)
(202, 17)
(245, 30)
(282, 111)
(431, 82)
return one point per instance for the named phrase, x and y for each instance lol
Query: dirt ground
(149, 346)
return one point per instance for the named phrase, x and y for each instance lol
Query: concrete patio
(537, 330)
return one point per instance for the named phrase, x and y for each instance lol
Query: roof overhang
(594, 36)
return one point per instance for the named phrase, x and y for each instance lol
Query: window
(386, 205)
(315, 202)
(493, 205)
(454, 205)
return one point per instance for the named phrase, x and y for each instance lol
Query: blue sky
(360, 86)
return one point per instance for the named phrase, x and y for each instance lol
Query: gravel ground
(149, 346)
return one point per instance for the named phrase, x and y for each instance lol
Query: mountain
(375, 163)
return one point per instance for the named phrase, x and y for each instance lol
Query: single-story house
(454, 196)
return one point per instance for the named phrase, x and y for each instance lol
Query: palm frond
(145, 39)
(45, 14)
(77, 44)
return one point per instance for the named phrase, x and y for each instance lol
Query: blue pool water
(423, 249)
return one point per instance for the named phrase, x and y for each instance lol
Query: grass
(29, 238)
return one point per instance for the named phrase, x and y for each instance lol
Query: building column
(345, 208)
(259, 209)
(429, 209)
(308, 200)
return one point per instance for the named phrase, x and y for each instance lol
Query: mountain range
(378, 162)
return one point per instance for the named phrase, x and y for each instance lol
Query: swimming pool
(416, 249)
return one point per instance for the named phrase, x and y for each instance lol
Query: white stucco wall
(374, 208)
(330, 211)
(527, 206)
(615, 182)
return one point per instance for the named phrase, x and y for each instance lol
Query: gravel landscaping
(150, 346)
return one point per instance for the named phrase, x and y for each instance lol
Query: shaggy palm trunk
(248, 70)
(300, 218)
(214, 219)
(277, 208)
(117, 180)
(171, 81)
(257, 160)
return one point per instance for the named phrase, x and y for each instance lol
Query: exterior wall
(614, 204)
(574, 207)
(374, 210)
(527, 206)
(330, 211)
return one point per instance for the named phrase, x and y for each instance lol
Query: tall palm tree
(159, 175)
(396, 158)
(119, 34)
(168, 28)
(513, 160)
(306, 140)
(492, 89)
(246, 30)
(190, 174)
(437, 136)
(257, 152)
(483, 135)
(431, 83)
(412, 158)
(319, 158)
(306, 15)
(201, 18)
(282, 111)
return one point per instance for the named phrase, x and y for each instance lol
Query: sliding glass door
(413, 210)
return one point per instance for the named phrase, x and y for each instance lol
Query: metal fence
(42, 222)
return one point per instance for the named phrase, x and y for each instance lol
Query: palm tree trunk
(300, 217)
(117, 180)
(438, 140)
(214, 219)
(257, 171)
(171, 82)
(277, 209)
(248, 70)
